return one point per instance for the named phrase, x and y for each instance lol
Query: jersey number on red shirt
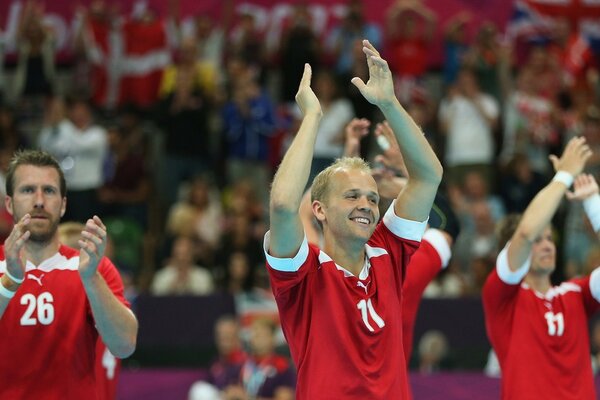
(42, 304)
(366, 306)
(556, 323)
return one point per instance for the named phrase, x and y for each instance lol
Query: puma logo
(35, 278)
(364, 286)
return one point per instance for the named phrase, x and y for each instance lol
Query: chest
(558, 319)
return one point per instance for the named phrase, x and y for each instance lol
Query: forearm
(591, 206)
(116, 323)
(292, 175)
(421, 162)
(535, 219)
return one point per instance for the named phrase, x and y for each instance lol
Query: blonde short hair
(320, 186)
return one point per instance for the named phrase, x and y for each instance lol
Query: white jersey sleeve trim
(595, 284)
(506, 275)
(404, 228)
(286, 264)
(436, 238)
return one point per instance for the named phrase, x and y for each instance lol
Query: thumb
(554, 161)
(356, 81)
(570, 195)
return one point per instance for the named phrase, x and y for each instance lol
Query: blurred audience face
(183, 251)
(80, 114)
(262, 341)
(227, 336)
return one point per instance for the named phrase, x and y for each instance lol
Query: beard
(42, 234)
(45, 236)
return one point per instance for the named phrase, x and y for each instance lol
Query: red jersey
(433, 255)
(107, 372)
(49, 338)
(541, 340)
(345, 332)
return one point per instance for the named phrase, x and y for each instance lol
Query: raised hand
(391, 157)
(574, 156)
(13, 248)
(305, 97)
(92, 246)
(379, 90)
(584, 186)
(354, 131)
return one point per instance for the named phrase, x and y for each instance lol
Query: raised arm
(423, 167)
(116, 324)
(585, 189)
(291, 177)
(540, 211)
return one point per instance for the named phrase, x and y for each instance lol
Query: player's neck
(36, 252)
(538, 282)
(352, 259)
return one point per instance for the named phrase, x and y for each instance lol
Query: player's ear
(318, 210)
(8, 204)
(63, 208)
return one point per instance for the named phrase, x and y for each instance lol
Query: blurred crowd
(178, 163)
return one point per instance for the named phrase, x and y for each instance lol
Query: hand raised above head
(574, 156)
(305, 97)
(584, 187)
(379, 90)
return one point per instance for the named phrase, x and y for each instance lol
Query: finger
(90, 237)
(99, 222)
(371, 48)
(306, 76)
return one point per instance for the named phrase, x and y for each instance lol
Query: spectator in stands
(181, 276)
(299, 45)
(81, 147)
(519, 183)
(433, 349)
(198, 214)
(225, 369)
(187, 92)
(410, 27)
(348, 34)
(126, 189)
(468, 118)
(456, 46)
(264, 374)
(35, 73)
(483, 59)
(248, 124)
(11, 136)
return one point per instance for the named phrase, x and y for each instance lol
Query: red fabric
(542, 343)
(408, 57)
(99, 32)
(331, 323)
(142, 41)
(48, 332)
(422, 269)
(108, 368)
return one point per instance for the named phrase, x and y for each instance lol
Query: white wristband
(591, 205)
(12, 278)
(4, 292)
(564, 177)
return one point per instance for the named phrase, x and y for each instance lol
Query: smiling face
(36, 191)
(349, 209)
